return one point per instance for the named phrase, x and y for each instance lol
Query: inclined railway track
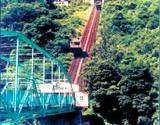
(87, 41)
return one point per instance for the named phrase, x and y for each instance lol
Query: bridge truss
(24, 69)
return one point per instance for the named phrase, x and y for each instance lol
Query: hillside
(50, 26)
(123, 83)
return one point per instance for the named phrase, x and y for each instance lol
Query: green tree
(123, 75)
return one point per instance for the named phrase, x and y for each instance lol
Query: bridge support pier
(74, 118)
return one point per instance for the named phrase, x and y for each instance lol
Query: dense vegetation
(44, 24)
(123, 82)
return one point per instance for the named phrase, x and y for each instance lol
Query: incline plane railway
(87, 40)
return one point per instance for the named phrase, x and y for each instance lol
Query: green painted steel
(22, 1)
(24, 67)
(29, 42)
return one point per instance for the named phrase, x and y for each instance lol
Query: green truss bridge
(33, 84)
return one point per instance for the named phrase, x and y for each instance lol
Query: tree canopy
(44, 24)
(123, 82)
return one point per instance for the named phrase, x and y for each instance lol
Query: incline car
(98, 4)
(75, 43)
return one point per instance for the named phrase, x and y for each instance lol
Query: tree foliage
(122, 83)
(43, 24)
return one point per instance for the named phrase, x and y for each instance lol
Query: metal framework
(15, 1)
(24, 67)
